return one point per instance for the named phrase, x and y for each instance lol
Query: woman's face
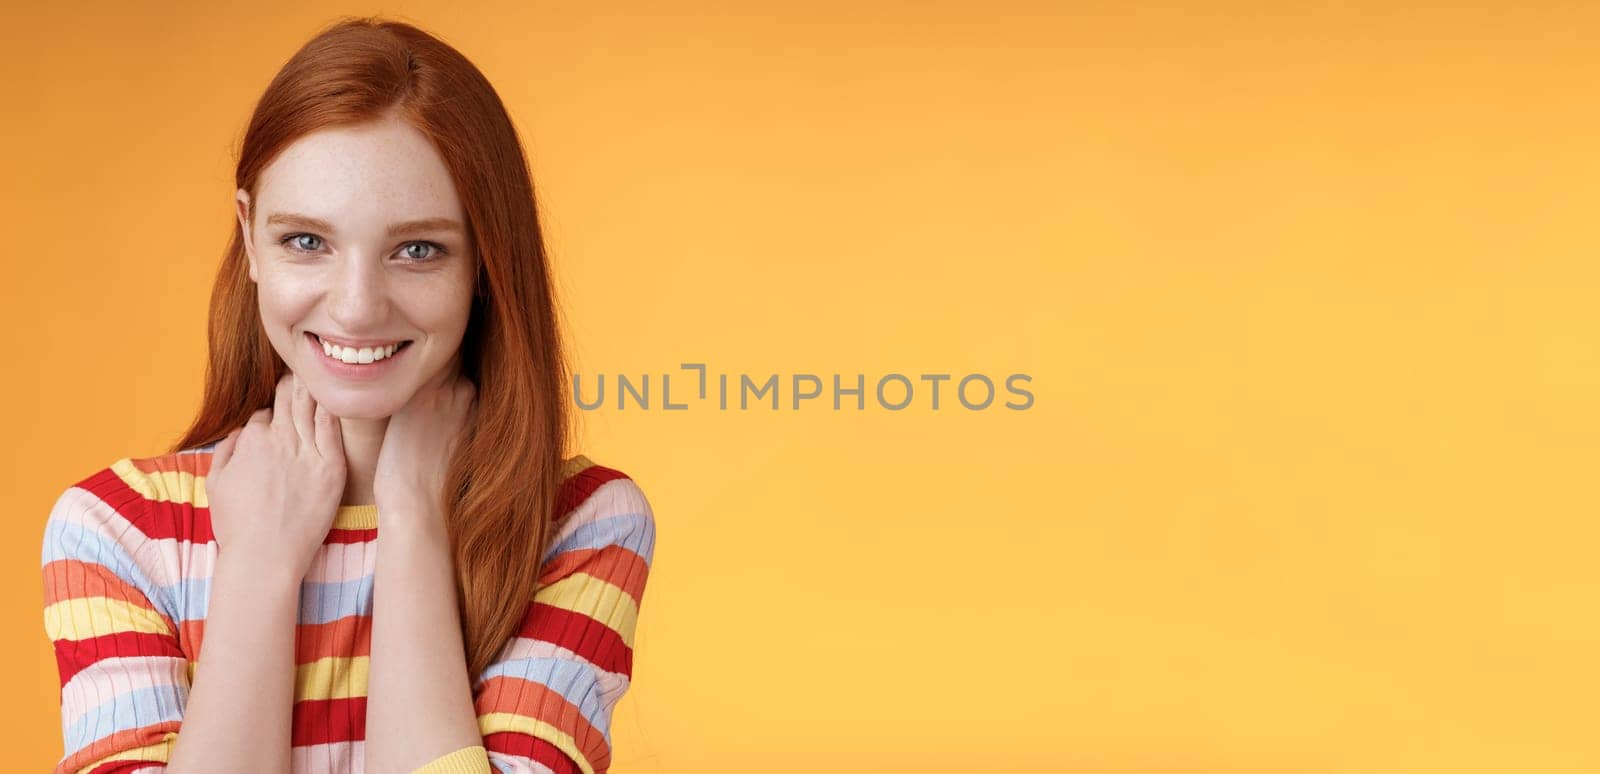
(356, 236)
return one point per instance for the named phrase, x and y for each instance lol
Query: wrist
(406, 511)
(261, 570)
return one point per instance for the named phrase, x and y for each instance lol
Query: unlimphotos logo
(892, 391)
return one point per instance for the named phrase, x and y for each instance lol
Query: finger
(304, 408)
(282, 400)
(329, 434)
(260, 422)
(224, 449)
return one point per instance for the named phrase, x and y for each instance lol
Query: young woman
(384, 361)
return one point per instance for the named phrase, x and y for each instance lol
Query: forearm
(419, 696)
(241, 703)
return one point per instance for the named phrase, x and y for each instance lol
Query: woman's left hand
(417, 446)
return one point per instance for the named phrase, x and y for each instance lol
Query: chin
(367, 412)
(355, 404)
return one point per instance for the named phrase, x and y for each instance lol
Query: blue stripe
(67, 540)
(126, 711)
(325, 602)
(193, 596)
(633, 531)
(578, 682)
(319, 602)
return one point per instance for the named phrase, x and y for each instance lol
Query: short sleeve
(545, 704)
(124, 678)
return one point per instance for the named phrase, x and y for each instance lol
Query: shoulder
(123, 526)
(599, 506)
(148, 498)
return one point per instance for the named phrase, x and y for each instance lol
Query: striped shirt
(127, 560)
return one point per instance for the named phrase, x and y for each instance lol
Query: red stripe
(615, 564)
(537, 700)
(340, 535)
(585, 636)
(345, 637)
(73, 656)
(118, 742)
(157, 520)
(580, 485)
(110, 488)
(181, 521)
(321, 721)
(66, 579)
(191, 634)
(533, 748)
(184, 521)
(198, 465)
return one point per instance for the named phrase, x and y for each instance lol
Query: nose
(359, 296)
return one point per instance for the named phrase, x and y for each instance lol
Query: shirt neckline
(356, 517)
(366, 516)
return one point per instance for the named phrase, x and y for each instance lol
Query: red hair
(500, 495)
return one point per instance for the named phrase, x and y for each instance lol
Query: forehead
(372, 173)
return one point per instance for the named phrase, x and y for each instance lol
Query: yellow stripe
(162, 486)
(496, 722)
(334, 677)
(574, 465)
(159, 752)
(596, 598)
(185, 487)
(467, 760)
(85, 617)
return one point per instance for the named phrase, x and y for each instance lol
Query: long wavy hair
(500, 495)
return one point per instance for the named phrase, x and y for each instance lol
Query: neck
(362, 440)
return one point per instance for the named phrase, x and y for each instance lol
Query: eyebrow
(425, 225)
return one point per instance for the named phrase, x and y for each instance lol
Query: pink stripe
(197, 558)
(97, 683)
(328, 758)
(517, 763)
(335, 563)
(612, 684)
(613, 498)
(340, 562)
(81, 506)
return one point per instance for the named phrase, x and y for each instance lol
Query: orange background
(1306, 291)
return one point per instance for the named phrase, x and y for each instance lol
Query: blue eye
(287, 239)
(435, 249)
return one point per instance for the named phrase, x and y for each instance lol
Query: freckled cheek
(285, 303)
(433, 304)
(436, 306)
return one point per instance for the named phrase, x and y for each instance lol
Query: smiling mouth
(357, 355)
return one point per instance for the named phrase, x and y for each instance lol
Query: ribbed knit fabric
(467, 760)
(127, 561)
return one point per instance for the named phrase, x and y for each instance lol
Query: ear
(241, 201)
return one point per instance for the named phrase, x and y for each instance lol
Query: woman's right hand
(275, 484)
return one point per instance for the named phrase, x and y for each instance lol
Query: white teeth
(362, 355)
